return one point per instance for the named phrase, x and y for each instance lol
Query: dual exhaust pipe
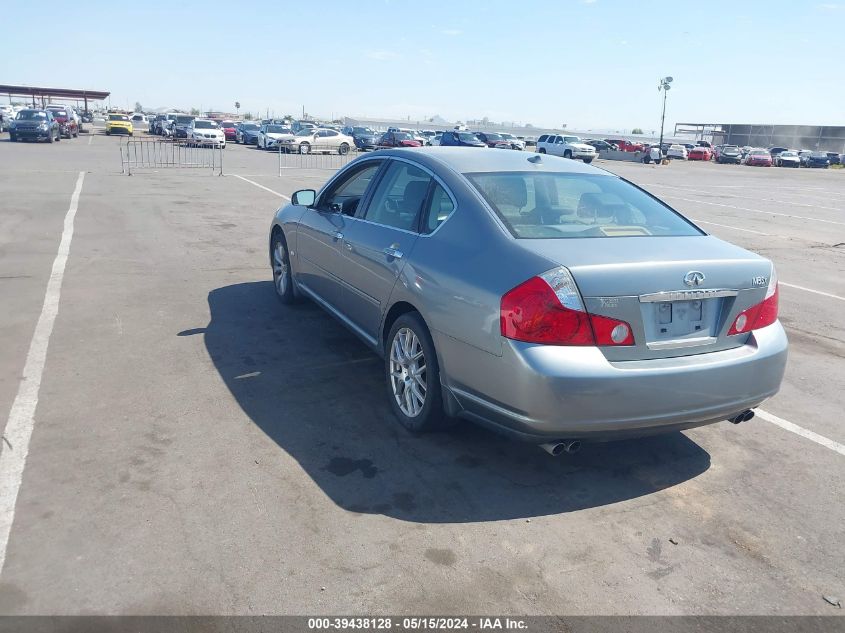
(745, 416)
(573, 446)
(558, 448)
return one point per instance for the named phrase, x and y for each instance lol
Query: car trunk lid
(680, 295)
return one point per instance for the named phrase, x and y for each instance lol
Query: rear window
(564, 205)
(118, 117)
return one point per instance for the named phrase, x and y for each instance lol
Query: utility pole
(664, 86)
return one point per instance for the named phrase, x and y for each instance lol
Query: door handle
(338, 235)
(348, 246)
(393, 252)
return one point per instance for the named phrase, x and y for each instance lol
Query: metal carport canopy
(66, 93)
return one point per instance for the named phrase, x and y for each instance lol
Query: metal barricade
(324, 157)
(156, 153)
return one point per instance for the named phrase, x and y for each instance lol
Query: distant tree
(637, 130)
(289, 117)
(138, 107)
(248, 116)
(237, 106)
(195, 112)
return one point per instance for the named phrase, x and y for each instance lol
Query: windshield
(760, 152)
(276, 129)
(362, 130)
(507, 137)
(31, 115)
(205, 125)
(563, 205)
(788, 155)
(494, 137)
(227, 124)
(401, 136)
(249, 126)
(118, 117)
(62, 113)
(184, 119)
(468, 136)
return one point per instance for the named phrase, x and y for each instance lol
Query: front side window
(345, 195)
(399, 197)
(565, 205)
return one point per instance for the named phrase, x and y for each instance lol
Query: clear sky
(586, 63)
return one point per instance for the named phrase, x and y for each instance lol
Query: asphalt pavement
(199, 449)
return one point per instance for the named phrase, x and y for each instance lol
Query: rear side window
(543, 138)
(440, 207)
(399, 197)
(564, 205)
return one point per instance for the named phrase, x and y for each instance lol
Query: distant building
(819, 137)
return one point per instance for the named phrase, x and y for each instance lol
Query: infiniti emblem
(694, 278)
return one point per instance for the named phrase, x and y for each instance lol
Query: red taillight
(760, 315)
(548, 309)
(611, 331)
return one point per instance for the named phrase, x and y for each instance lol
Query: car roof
(473, 159)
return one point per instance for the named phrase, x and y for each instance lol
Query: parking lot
(197, 449)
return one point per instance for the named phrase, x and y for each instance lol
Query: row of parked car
(51, 123)
(755, 156)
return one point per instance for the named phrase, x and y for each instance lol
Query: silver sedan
(535, 295)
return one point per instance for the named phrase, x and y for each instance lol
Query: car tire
(13, 138)
(567, 154)
(400, 380)
(343, 150)
(587, 161)
(283, 283)
(304, 148)
(542, 150)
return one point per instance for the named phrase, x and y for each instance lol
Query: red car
(229, 131)
(759, 157)
(700, 153)
(398, 139)
(67, 124)
(626, 145)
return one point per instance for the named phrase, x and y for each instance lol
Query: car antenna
(535, 159)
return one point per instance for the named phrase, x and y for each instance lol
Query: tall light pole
(664, 86)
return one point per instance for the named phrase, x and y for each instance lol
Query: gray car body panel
(455, 279)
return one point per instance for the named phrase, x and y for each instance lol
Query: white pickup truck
(566, 146)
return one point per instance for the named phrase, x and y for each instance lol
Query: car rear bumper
(541, 393)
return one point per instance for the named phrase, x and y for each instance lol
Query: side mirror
(303, 197)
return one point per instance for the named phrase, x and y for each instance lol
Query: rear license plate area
(683, 319)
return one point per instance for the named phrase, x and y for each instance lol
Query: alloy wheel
(280, 268)
(408, 372)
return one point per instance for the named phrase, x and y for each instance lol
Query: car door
(378, 242)
(321, 231)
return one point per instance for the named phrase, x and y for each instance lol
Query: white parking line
(800, 430)
(735, 228)
(252, 182)
(817, 292)
(15, 444)
(90, 138)
(730, 206)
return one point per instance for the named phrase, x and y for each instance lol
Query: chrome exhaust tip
(557, 448)
(742, 417)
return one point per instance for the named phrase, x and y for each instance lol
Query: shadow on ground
(317, 391)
